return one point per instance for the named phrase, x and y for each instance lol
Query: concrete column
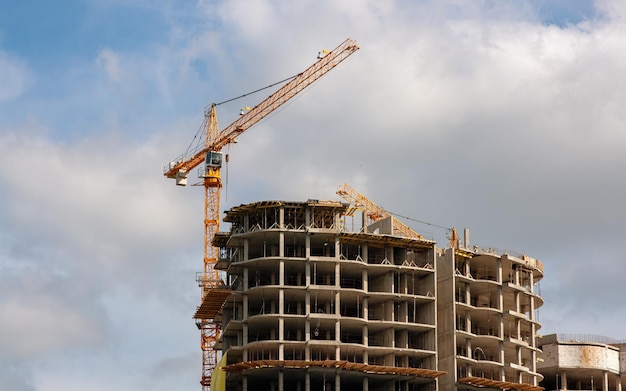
(281, 310)
(245, 297)
(307, 322)
(532, 299)
(470, 354)
(366, 385)
(281, 291)
(502, 374)
(244, 382)
(365, 342)
(281, 282)
(337, 340)
(245, 282)
(363, 222)
(307, 272)
(307, 380)
(281, 386)
(365, 330)
(337, 382)
(533, 365)
(605, 381)
(307, 219)
(246, 311)
(618, 381)
(281, 337)
(307, 246)
(564, 380)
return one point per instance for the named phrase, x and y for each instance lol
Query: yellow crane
(373, 212)
(210, 156)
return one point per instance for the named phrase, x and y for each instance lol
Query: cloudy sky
(507, 117)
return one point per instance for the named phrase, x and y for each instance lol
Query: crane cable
(260, 89)
(201, 128)
(419, 221)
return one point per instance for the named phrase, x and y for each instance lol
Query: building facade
(315, 307)
(487, 326)
(582, 362)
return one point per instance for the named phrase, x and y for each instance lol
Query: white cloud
(14, 77)
(102, 190)
(110, 63)
(615, 10)
(253, 19)
(85, 244)
(16, 376)
(37, 325)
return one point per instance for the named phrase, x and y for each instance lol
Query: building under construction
(487, 326)
(582, 362)
(310, 305)
(316, 307)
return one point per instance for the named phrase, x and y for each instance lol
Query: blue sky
(62, 50)
(504, 116)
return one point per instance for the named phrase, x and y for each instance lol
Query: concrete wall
(581, 355)
(445, 320)
(622, 358)
(382, 227)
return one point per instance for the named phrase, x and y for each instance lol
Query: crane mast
(210, 173)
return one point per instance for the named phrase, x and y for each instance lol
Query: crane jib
(293, 87)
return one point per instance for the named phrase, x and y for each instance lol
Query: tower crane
(210, 156)
(372, 211)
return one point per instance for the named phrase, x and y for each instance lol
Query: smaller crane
(373, 212)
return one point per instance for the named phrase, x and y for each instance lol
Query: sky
(506, 117)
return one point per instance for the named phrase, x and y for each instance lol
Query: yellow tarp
(218, 377)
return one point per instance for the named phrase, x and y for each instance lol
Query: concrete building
(582, 362)
(314, 307)
(310, 305)
(486, 323)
